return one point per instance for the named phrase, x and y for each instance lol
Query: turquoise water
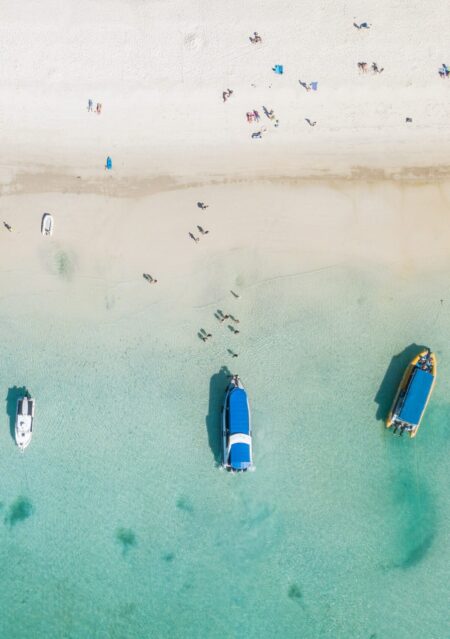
(117, 522)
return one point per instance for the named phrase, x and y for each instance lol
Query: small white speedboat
(47, 224)
(24, 421)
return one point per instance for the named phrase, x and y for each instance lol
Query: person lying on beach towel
(256, 38)
(308, 87)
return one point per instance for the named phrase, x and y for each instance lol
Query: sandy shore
(159, 71)
(278, 205)
(93, 264)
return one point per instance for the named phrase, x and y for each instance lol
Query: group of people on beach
(90, 107)
(253, 116)
(222, 317)
(219, 314)
(364, 67)
(201, 230)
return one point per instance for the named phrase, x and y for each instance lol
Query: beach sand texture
(117, 522)
(159, 70)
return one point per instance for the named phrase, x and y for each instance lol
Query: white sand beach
(159, 70)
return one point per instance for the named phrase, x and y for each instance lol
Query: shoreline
(47, 180)
(258, 231)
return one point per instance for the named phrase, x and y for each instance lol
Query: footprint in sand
(193, 41)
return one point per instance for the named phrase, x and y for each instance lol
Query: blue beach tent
(278, 68)
(416, 397)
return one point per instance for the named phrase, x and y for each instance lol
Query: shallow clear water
(117, 521)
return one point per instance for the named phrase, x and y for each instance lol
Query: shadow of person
(217, 386)
(392, 378)
(14, 392)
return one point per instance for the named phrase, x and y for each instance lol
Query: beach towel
(278, 68)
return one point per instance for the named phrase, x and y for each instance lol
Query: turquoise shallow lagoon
(117, 522)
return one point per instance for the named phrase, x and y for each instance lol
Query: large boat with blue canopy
(237, 428)
(413, 394)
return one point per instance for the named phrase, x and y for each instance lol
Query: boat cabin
(412, 403)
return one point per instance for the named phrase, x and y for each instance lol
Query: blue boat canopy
(416, 396)
(238, 417)
(240, 456)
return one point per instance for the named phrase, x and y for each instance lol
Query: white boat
(24, 421)
(47, 224)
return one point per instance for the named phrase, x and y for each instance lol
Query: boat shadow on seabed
(217, 386)
(392, 378)
(14, 392)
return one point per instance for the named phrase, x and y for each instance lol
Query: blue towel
(313, 86)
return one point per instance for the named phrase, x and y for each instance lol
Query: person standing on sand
(99, 108)
(90, 105)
